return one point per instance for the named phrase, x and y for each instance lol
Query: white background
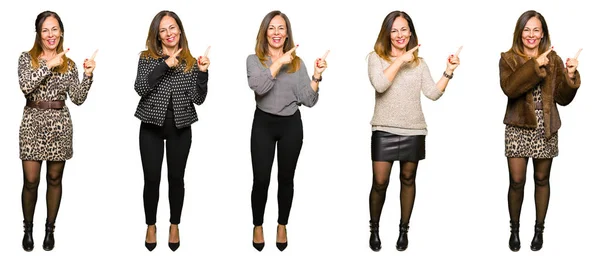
(460, 211)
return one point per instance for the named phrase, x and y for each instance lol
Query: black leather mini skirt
(390, 147)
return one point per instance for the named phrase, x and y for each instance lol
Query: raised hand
(321, 64)
(288, 57)
(408, 56)
(453, 60)
(572, 64)
(56, 60)
(203, 61)
(542, 60)
(172, 61)
(90, 64)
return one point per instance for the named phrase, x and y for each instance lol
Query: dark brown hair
(154, 45)
(262, 44)
(37, 49)
(383, 45)
(517, 46)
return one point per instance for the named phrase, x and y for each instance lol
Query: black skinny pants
(268, 131)
(152, 147)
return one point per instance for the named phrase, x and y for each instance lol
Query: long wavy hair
(154, 45)
(383, 45)
(262, 43)
(517, 45)
(37, 50)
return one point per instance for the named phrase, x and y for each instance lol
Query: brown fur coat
(519, 76)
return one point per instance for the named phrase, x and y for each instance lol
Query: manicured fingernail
(200, 56)
(319, 59)
(568, 59)
(451, 55)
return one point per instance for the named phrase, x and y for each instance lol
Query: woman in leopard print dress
(47, 77)
(534, 79)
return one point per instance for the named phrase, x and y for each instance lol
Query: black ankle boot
(28, 236)
(538, 237)
(514, 242)
(374, 240)
(49, 237)
(402, 242)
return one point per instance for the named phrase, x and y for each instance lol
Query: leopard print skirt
(46, 134)
(529, 142)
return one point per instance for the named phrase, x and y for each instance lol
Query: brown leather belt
(57, 104)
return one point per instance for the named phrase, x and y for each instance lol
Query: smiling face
(400, 34)
(50, 34)
(532, 35)
(277, 32)
(169, 32)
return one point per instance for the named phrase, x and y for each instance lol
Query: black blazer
(156, 83)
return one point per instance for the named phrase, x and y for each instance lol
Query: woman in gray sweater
(281, 84)
(399, 76)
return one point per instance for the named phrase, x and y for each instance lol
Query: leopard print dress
(528, 142)
(47, 134)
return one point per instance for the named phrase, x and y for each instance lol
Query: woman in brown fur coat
(535, 79)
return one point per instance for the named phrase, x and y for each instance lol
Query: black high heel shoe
(374, 240)
(150, 246)
(538, 237)
(257, 246)
(27, 236)
(402, 242)
(48, 244)
(282, 245)
(174, 246)
(514, 242)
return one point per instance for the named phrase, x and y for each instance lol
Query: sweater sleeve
(303, 90)
(428, 86)
(376, 75)
(260, 79)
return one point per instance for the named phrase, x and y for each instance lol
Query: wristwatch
(317, 80)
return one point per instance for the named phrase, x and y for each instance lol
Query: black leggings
(152, 148)
(267, 131)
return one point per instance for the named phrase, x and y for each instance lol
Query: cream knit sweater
(398, 103)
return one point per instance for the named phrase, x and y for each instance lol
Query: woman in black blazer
(169, 79)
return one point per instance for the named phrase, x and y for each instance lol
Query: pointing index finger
(548, 51)
(414, 48)
(178, 51)
(577, 55)
(206, 52)
(63, 52)
(325, 55)
(94, 55)
(293, 49)
(458, 51)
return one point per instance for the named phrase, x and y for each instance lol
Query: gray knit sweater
(398, 103)
(281, 95)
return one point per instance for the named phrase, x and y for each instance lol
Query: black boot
(28, 236)
(538, 237)
(402, 242)
(514, 242)
(374, 240)
(49, 237)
